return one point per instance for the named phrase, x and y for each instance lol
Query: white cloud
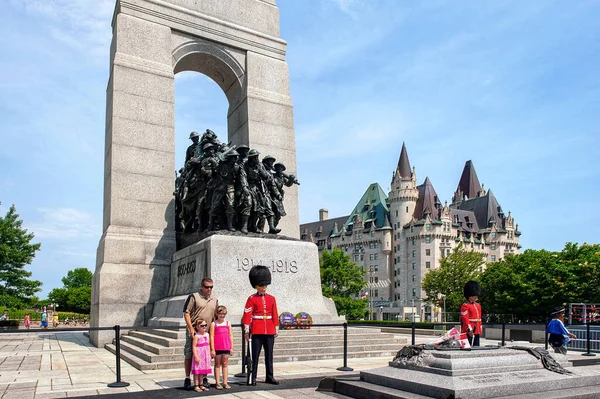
(66, 223)
(80, 24)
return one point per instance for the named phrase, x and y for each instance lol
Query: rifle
(290, 178)
(248, 360)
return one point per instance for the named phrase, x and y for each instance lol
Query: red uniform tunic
(260, 314)
(470, 318)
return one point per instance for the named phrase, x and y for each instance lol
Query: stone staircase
(163, 349)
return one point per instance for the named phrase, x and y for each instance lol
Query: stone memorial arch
(236, 43)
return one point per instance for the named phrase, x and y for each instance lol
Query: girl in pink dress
(27, 321)
(221, 345)
(201, 352)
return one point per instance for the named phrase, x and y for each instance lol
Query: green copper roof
(372, 206)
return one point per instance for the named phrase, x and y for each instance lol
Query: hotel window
(356, 258)
(371, 257)
(493, 247)
(395, 261)
(376, 256)
(493, 235)
(414, 253)
(428, 252)
(372, 234)
(427, 240)
(396, 213)
(414, 266)
(493, 258)
(414, 278)
(428, 227)
(398, 259)
(406, 209)
(414, 241)
(376, 268)
(412, 228)
(376, 279)
(428, 265)
(371, 245)
(361, 257)
(414, 292)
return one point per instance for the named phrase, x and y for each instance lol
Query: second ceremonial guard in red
(261, 321)
(470, 313)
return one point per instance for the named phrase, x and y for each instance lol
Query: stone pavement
(54, 364)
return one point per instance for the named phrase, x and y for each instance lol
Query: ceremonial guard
(470, 313)
(261, 321)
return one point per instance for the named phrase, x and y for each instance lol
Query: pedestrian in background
(559, 335)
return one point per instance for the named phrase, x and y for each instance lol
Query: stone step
(163, 348)
(180, 334)
(158, 339)
(151, 346)
(365, 390)
(142, 364)
(282, 338)
(147, 349)
(149, 356)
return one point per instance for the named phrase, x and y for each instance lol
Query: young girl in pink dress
(221, 345)
(27, 321)
(201, 352)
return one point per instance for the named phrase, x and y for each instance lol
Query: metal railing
(119, 383)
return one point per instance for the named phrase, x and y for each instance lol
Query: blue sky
(512, 85)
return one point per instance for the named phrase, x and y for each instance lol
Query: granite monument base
(473, 374)
(294, 265)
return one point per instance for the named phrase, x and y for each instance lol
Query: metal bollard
(345, 367)
(588, 353)
(118, 383)
(503, 334)
(243, 354)
(413, 338)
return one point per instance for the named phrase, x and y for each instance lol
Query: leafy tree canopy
(529, 285)
(16, 252)
(76, 295)
(342, 281)
(76, 278)
(449, 279)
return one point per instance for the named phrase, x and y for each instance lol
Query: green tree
(76, 278)
(16, 252)
(342, 281)
(76, 295)
(530, 284)
(449, 279)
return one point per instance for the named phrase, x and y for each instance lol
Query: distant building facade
(399, 237)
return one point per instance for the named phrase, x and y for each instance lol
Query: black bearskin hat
(472, 288)
(259, 275)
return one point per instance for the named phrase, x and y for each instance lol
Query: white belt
(262, 317)
(474, 319)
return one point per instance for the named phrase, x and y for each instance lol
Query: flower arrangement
(304, 320)
(287, 321)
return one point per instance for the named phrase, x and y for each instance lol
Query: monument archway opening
(153, 41)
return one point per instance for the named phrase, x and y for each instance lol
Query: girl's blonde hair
(219, 309)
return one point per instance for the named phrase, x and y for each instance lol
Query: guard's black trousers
(259, 341)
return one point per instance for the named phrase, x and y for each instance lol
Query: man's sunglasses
(208, 287)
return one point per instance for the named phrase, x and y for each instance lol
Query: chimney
(323, 214)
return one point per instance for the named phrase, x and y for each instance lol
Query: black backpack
(556, 340)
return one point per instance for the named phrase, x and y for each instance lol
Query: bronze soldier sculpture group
(223, 186)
